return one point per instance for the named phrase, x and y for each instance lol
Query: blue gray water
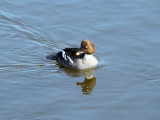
(125, 84)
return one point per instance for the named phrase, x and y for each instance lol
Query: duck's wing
(69, 54)
(72, 53)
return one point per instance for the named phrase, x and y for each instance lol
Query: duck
(77, 58)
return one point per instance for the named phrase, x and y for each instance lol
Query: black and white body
(78, 58)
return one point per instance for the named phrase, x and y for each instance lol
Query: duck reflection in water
(89, 80)
(87, 85)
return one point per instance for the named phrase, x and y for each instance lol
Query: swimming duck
(78, 58)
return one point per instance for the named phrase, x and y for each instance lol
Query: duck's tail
(52, 56)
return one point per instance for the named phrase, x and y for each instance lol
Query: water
(126, 82)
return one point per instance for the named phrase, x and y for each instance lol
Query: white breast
(87, 62)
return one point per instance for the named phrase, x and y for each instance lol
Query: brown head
(88, 47)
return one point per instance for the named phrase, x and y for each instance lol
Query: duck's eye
(86, 47)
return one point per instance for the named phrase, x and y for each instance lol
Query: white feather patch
(64, 55)
(71, 61)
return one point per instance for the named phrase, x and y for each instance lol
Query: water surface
(125, 84)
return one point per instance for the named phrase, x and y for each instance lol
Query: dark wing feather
(71, 52)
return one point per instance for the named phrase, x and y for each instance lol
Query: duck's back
(68, 57)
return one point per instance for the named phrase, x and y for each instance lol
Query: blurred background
(124, 86)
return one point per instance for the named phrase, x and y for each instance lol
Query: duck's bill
(79, 53)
